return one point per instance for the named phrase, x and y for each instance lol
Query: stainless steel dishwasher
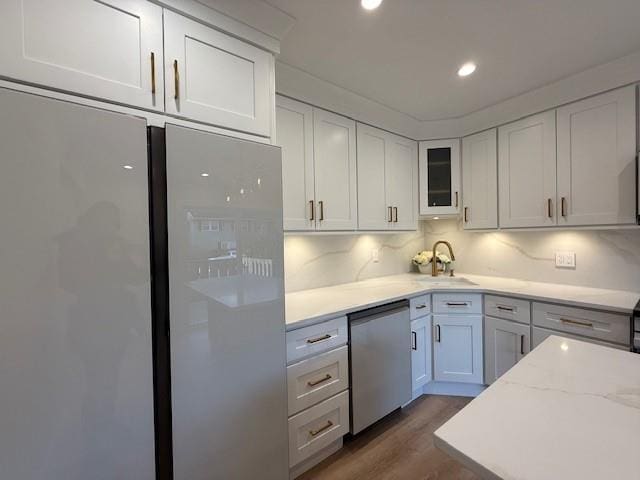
(380, 361)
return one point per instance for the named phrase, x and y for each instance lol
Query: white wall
(312, 261)
(604, 258)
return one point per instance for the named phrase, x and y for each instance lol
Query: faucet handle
(451, 273)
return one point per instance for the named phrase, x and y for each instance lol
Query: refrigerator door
(75, 322)
(228, 373)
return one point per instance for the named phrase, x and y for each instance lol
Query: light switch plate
(375, 255)
(566, 259)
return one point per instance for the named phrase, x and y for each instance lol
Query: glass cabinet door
(439, 177)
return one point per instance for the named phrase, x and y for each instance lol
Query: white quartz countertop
(307, 307)
(568, 410)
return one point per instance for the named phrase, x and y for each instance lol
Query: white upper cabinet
(386, 180)
(479, 180)
(402, 185)
(334, 138)
(527, 171)
(216, 79)
(294, 133)
(440, 177)
(596, 160)
(107, 49)
(374, 211)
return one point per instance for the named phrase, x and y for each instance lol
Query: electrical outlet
(566, 259)
(375, 255)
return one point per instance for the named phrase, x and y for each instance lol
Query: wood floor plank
(400, 447)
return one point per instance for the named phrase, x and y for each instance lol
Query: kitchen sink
(444, 281)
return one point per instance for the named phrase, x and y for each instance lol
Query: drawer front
(314, 429)
(420, 306)
(539, 335)
(317, 378)
(457, 303)
(610, 327)
(508, 308)
(315, 339)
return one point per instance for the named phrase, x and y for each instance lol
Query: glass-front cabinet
(440, 177)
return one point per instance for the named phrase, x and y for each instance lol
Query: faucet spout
(434, 261)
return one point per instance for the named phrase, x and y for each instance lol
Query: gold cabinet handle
(466, 216)
(395, 214)
(313, 212)
(549, 208)
(321, 205)
(318, 382)
(563, 206)
(176, 80)
(319, 339)
(390, 214)
(153, 73)
(577, 322)
(456, 199)
(313, 433)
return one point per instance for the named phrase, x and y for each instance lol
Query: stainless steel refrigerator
(141, 299)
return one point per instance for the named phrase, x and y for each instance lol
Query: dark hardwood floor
(400, 447)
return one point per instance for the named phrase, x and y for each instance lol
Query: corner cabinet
(214, 78)
(386, 180)
(108, 49)
(596, 160)
(480, 180)
(439, 168)
(457, 348)
(318, 167)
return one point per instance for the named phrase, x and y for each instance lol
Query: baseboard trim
(453, 388)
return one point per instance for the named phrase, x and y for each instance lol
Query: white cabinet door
(334, 139)
(457, 348)
(527, 171)
(479, 181)
(214, 78)
(374, 212)
(439, 177)
(596, 160)
(401, 166)
(294, 133)
(505, 343)
(420, 352)
(100, 49)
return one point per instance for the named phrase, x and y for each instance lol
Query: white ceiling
(405, 54)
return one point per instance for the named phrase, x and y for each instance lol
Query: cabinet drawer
(420, 306)
(508, 308)
(539, 335)
(312, 430)
(457, 303)
(315, 339)
(317, 378)
(609, 327)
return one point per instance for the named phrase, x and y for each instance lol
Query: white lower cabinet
(420, 352)
(539, 335)
(457, 348)
(505, 343)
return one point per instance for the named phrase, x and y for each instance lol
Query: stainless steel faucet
(434, 261)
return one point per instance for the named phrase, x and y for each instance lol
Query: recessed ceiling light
(370, 4)
(204, 174)
(467, 69)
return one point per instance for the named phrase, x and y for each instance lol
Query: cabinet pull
(456, 199)
(549, 208)
(318, 382)
(153, 73)
(313, 433)
(577, 322)
(312, 216)
(437, 333)
(319, 339)
(457, 304)
(507, 309)
(176, 80)
(466, 216)
(563, 206)
(321, 205)
(414, 341)
(395, 214)
(420, 307)
(522, 344)
(390, 214)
